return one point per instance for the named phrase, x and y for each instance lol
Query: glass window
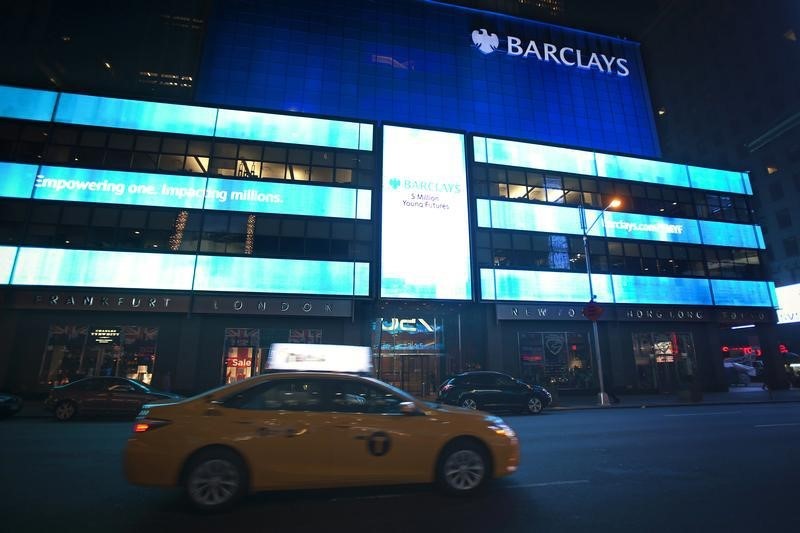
(296, 394)
(351, 396)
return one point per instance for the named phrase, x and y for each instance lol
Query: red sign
(592, 311)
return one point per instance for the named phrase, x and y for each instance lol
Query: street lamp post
(602, 396)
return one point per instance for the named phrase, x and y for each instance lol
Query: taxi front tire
(215, 479)
(463, 467)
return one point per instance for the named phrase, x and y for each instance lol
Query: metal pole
(602, 396)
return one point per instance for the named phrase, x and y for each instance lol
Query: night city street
(709, 468)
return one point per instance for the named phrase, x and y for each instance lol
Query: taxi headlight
(496, 424)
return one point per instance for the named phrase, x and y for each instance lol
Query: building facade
(429, 180)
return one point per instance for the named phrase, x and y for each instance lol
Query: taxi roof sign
(320, 358)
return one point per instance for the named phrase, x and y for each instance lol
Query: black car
(493, 391)
(10, 404)
(103, 396)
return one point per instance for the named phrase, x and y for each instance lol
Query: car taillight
(148, 424)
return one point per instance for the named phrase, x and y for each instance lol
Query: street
(699, 468)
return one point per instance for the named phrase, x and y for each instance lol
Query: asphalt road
(702, 468)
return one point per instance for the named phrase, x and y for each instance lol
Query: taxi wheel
(469, 403)
(65, 410)
(463, 468)
(214, 480)
(534, 405)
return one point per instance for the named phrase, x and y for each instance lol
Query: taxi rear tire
(214, 480)
(463, 468)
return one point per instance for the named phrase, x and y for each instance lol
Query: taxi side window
(281, 395)
(350, 396)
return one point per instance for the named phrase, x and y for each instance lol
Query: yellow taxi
(301, 430)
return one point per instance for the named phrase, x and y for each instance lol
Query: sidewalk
(736, 395)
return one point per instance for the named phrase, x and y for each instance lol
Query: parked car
(310, 430)
(103, 396)
(493, 391)
(10, 404)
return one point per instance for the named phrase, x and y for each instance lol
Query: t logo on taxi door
(379, 443)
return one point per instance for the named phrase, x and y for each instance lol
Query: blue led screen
(26, 104)
(293, 130)
(432, 65)
(88, 268)
(16, 179)
(529, 286)
(249, 274)
(539, 157)
(500, 214)
(135, 115)
(284, 198)
(7, 256)
(189, 192)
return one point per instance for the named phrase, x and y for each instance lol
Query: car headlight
(497, 425)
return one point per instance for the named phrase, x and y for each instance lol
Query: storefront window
(245, 349)
(557, 358)
(409, 353)
(665, 360)
(76, 351)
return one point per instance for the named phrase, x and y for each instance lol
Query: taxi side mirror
(410, 408)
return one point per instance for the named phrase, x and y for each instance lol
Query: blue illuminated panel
(719, 180)
(249, 274)
(644, 170)
(7, 256)
(119, 270)
(647, 227)
(26, 104)
(540, 157)
(727, 234)
(115, 187)
(655, 290)
(501, 214)
(528, 285)
(293, 130)
(528, 155)
(135, 115)
(283, 198)
(419, 62)
(16, 180)
(747, 293)
(425, 249)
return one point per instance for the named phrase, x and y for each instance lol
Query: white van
(320, 358)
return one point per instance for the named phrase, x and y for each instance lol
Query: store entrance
(416, 374)
(665, 361)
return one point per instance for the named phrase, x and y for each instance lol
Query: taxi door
(372, 442)
(276, 426)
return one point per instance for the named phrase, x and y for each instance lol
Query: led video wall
(425, 250)
(540, 157)
(533, 286)
(135, 270)
(501, 214)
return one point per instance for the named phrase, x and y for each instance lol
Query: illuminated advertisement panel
(739, 292)
(502, 214)
(425, 249)
(644, 170)
(26, 104)
(728, 234)
(657, 290)
(7, 256)
(788, 303)
(285, 198)
(293, 130)
(529, 285)
(719, 180)
(116, 187)
(86, 268)
(16, 180)
(250, 274)
(528, 155)
(135, 115)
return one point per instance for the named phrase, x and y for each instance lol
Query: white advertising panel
(425, 227)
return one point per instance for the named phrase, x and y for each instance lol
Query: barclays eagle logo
(485, 41)
(394, 183)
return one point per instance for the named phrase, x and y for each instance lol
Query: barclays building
(456, 188)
